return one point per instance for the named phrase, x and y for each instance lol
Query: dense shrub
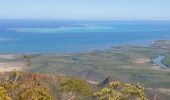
(121, 91)
(28, 86)
(23, 89)
(75, 89)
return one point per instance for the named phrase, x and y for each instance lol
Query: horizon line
(89, 19)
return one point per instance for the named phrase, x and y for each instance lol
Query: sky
(86, 9)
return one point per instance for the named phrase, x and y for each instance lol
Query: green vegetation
(3, 94)
(164, 44)
(131, 64)
(121, 91)
(75, 89)
(167, 60)
(29, 86)
(123, 64)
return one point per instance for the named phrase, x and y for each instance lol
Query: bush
(75, 89)
(121, 91)
(27, 89)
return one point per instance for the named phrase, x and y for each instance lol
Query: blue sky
(86, 9)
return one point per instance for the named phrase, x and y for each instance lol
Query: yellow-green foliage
(75, 88)
(121, 91)
(36, 93)
(27, 86)
(4, 94)
(26, 89)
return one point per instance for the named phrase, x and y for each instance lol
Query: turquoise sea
(53, 36)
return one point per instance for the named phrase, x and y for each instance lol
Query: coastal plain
(125, 63)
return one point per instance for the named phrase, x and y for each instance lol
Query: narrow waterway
(158, 61)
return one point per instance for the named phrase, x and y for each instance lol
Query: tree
(27, 60)
(16, 74)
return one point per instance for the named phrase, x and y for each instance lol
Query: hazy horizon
(85, 9)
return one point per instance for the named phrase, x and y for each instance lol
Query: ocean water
(53, 36)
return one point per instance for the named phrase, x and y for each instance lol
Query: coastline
(7, 65)
(125, 63)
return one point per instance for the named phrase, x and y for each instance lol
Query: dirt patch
(7, 56)
(7, 67)
(142, 60)
(164, 90)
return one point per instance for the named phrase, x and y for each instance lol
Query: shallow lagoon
(158, 61)
(36, 36)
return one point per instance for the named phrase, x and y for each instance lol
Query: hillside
(24, 85)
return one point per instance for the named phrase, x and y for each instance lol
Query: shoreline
(101, 47)
(6, 65)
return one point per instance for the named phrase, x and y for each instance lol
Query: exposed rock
(106, 81)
